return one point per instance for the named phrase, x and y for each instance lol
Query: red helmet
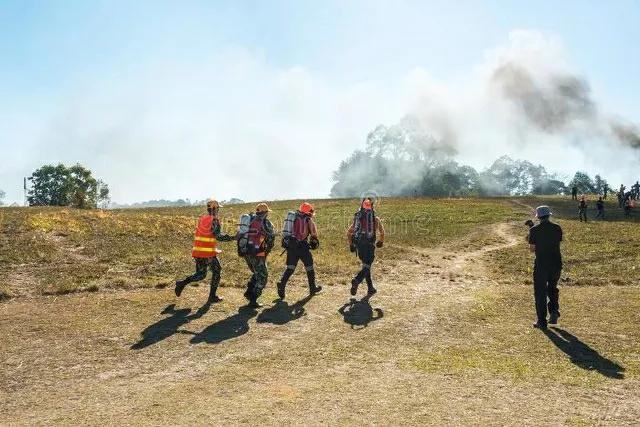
(306, 208)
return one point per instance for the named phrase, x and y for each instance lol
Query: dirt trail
(144, 357)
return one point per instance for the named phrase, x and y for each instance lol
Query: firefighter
(303, 239)
(600, 208)
(544, 241)
(261, 237)
(361, 236)
(582, 209)
(205, 251)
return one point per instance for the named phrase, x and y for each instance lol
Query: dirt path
(145, 357)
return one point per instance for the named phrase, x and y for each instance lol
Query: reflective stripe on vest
(204, 241)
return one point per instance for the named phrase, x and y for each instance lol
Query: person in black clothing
(582, 209)
(544, 241)
(600, 207)
(365, 234)
(574, 193)
(303, 239)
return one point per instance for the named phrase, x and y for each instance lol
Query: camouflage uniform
(258, 265)
(213, 263)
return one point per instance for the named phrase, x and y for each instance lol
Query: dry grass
(447, 340)
(58, 251)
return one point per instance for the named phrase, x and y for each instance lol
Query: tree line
(405, 160)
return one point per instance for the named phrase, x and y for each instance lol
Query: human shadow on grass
(360, 313)
(225, 329)
(582, 355)
(168, 326)
(281, 312)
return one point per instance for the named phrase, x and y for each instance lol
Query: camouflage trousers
(258, 266)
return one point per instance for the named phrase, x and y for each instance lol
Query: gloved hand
(314, 243)
(352, 247)
(379, 244)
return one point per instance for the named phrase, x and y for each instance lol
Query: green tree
(583, 182)
(599, 184)
(62, 186)
(2, 194)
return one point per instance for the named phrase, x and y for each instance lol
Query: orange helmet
(306, 208)
(367, 205)
(213, 204)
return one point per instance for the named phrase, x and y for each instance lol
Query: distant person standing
(605, 190)
(627, 206)
(636, 190)
(582, 209)
(600, 207)
(621, 194)
(574, 193)
(544, 241)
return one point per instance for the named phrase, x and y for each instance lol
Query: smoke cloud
(559, 103)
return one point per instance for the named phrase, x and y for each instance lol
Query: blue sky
(148, 92)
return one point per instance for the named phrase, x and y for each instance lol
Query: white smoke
(527, 101)
(237, 126)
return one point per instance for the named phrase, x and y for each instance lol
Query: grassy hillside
(57, 251)
(447, 340)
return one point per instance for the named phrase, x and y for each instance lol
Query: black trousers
(582, 213)
(201, 272)
(299, 251)
(545, 290)
(366, 254)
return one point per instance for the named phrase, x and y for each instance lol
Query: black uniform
(364, 239)
(546, 237)
(600, 206)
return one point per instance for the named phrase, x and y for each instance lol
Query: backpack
(294, 228)
(364, 226)
(251, 235)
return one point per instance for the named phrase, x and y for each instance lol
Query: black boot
(553, 318)
(213, 297)
(370, 289)
(253, 303)
(354, 287)
(281, 289)
(179, 287)
(313, 288)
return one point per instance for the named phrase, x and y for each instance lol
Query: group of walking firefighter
(255, 239)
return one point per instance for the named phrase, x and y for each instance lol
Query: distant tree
(599, 184)
(2, 194)
(103, 195)
(583, 182)
(550, 186)
(62, 186)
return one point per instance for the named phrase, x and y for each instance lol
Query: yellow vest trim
(201, 249)
(204, 239)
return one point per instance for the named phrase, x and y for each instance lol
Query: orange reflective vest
(204, 242)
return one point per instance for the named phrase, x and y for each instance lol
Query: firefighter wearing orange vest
(205, 252)
(361, 236)
(303, 238)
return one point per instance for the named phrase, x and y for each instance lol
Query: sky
(262, 100)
